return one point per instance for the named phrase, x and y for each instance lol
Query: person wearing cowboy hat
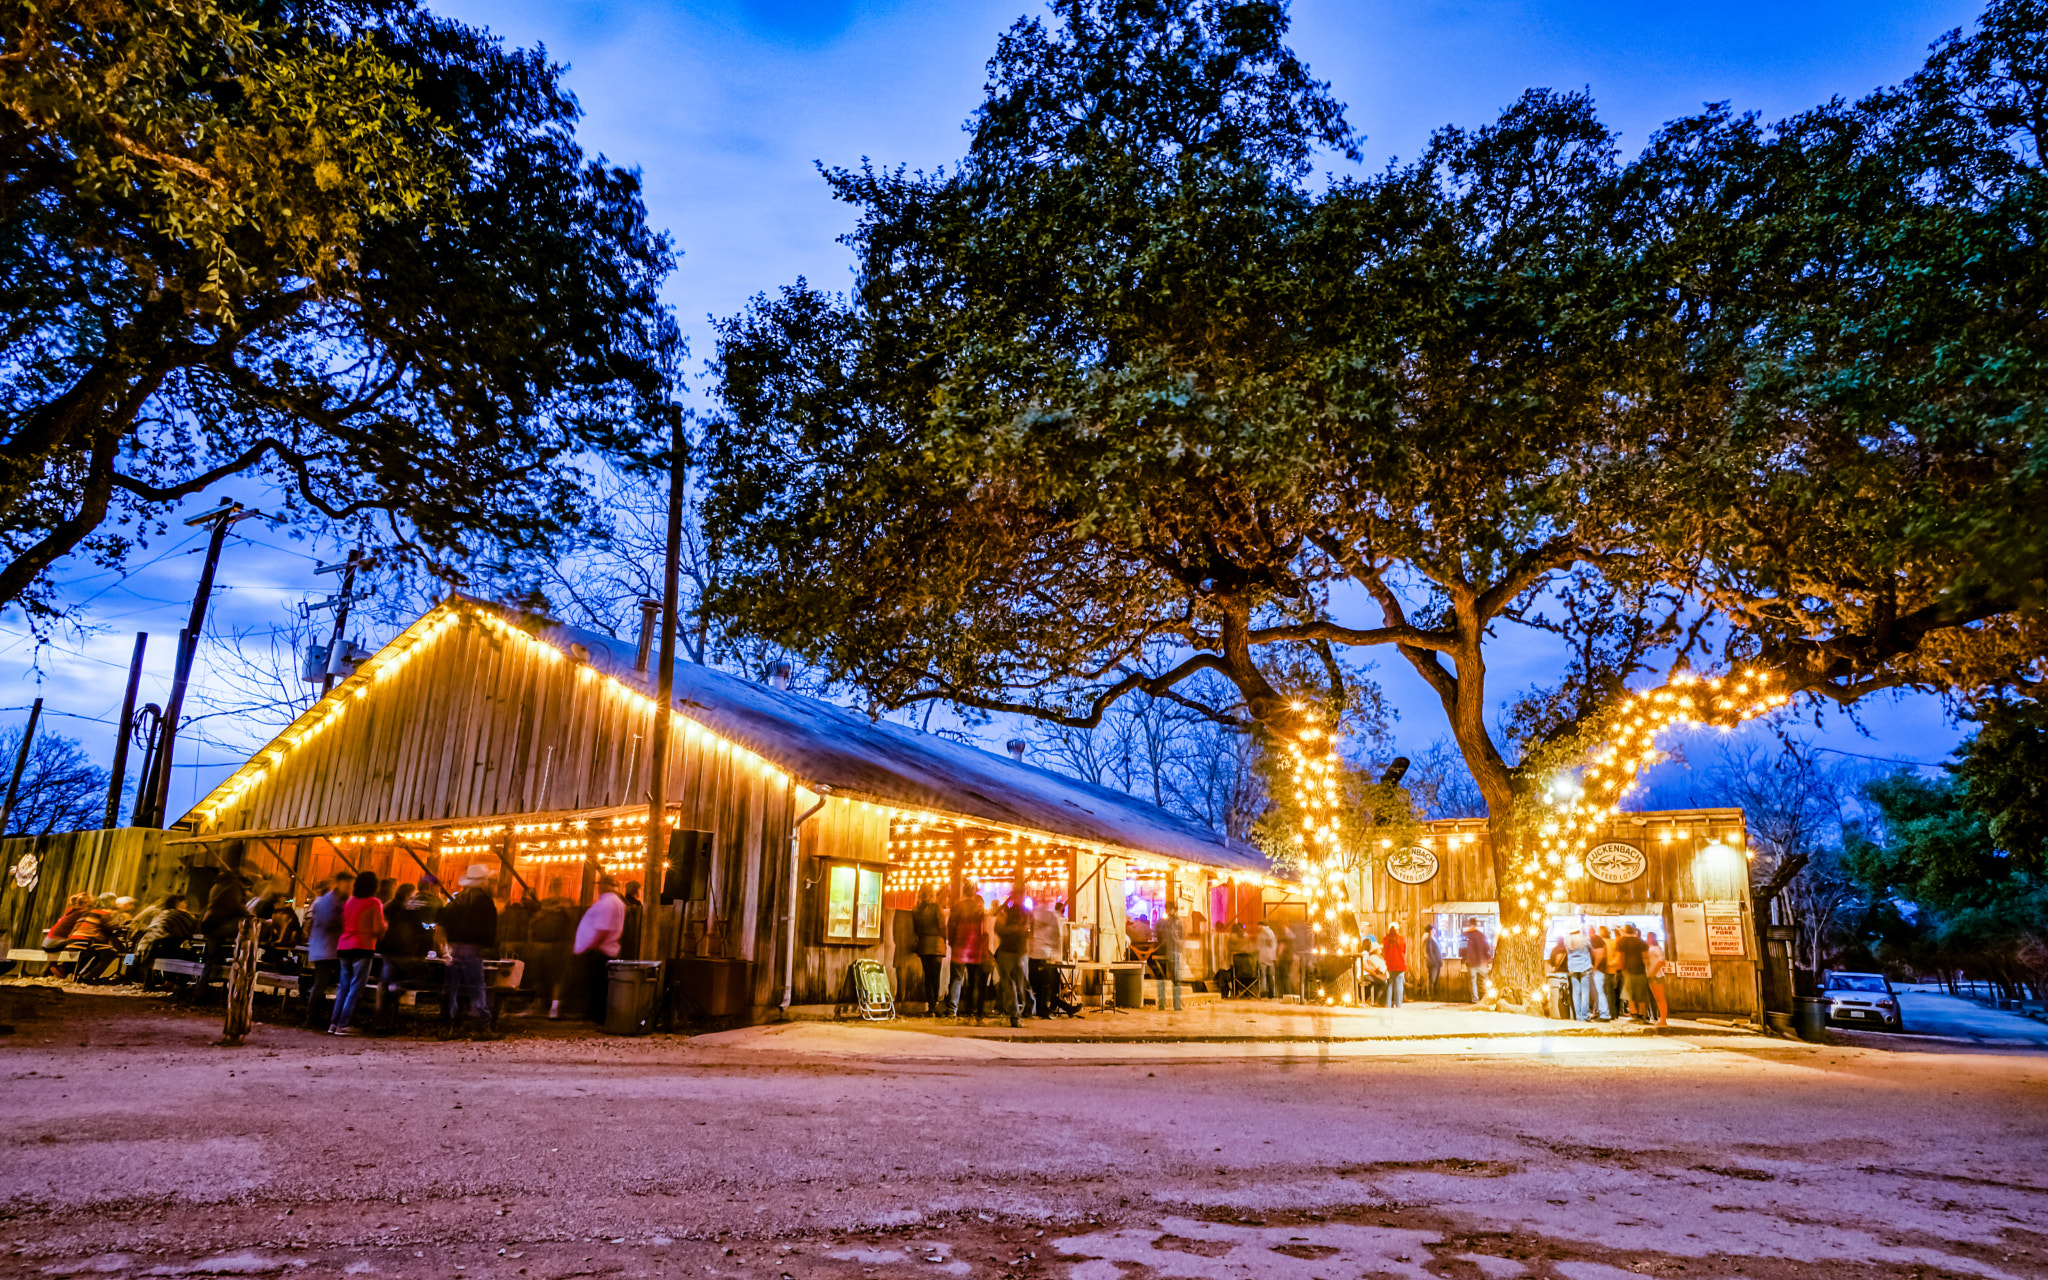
(470, 924)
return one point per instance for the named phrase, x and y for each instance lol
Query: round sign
(1412, 865)
(25, 871)
(1615, 862)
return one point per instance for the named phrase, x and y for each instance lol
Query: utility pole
(28, 736)
(664, 697)
(123, 734)
(223, 518)
(347, 568)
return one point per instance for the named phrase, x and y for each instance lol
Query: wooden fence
(41, 872)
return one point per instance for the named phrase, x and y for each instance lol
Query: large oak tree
(1125, 398)
(347, 249)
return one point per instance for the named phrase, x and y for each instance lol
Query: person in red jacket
(964, 932)
(58, 936)
(362, 924)
(1395, 946)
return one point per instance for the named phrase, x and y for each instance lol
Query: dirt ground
(134, 1146)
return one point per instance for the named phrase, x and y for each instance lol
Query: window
(853, 903)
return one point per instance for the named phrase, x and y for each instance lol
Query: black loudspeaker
(689, 866)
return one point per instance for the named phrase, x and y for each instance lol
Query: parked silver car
(1862, 998)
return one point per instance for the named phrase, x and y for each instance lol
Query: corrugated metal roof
(829, 748)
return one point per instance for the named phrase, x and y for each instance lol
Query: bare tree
(1440, 785)
(255, 682)
(1180, 756)
(61, 790)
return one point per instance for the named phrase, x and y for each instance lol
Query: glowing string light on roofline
(395, 656)
(392, 659)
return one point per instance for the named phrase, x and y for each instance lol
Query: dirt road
(133, 1147)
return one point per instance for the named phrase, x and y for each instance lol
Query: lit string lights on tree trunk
(1578, 811)
(1319, 837)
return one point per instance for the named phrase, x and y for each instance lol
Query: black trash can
(633, 996)
(1810, 1017)
(1130, 987)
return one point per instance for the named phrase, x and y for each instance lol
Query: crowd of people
(357, 933)
(970, 958)
(975, 958)
(1613, 973)
(361, 932)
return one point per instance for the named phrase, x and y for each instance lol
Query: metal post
(648, 610)
(145, 785)
(28, 736)
(124, 733)
(656, 850)
(223, 518)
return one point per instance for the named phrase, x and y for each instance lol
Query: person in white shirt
(1268, 947)
(1048, 943)
(597, 944)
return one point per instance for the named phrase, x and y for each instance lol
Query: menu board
(1683, 970)
(1688, 931)
(1724, 929)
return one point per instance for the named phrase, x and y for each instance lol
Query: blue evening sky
(726, 105)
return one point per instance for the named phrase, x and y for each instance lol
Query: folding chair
(1241, 979)
(871, 991)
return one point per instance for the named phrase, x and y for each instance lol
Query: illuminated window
(853, 903)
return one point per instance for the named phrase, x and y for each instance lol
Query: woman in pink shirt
(362, 924)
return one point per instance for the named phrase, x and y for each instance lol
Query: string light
(393, 658)
(1040, 860)
(1315, 770)
(1578, 809)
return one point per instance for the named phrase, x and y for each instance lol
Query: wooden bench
(285, 984)
(25, 956)
(36, 955)
(501, 982)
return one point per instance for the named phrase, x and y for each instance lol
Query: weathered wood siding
(843, 830)
(123, 860)
(484, 726)
(477, 724)
(1678, 870)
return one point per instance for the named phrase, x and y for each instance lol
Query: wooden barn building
(484, 734)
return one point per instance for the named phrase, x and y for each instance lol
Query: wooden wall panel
(122, 860)
(477, 725)
(843, 830)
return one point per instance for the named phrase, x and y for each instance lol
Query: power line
(69, 715)
(1918, 764)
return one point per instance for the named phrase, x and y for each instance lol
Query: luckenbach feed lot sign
(1616, 863)
(1412, 865)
